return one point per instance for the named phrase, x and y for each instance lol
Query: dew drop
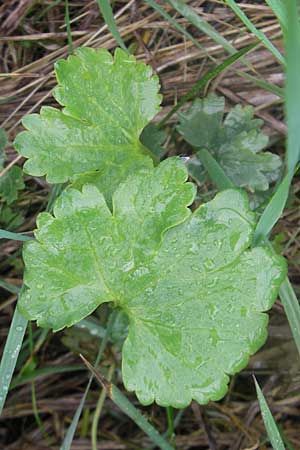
(194, 249)
(94, 331)
(128, 266)
(209, 264)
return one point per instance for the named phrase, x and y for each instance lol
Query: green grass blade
(68, 27)
(292, 309)
(67, 442)
(263, 84)
(189, 13)
(9, 287)
(10, 354)
(205, 79)
(270, 424)
(106, 10)
(292, 91)
(174, 23)
(214, 170)
(279, 10)
(272, 212)
(43, 372)
(259, 34)
(15, 336)
(129, 409)
(14, 236)
(275, 207)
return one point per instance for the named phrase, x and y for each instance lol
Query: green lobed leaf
(106, 104)
(236, 143)
(10, 183)
(153, 137)
(195, 295)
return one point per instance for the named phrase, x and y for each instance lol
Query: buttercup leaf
(194, 293)
(106, 104)
(237, 143)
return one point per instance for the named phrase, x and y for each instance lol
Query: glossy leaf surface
(192, 290)
(236, 143)
(106, 104)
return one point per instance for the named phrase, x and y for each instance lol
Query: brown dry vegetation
(32, 37)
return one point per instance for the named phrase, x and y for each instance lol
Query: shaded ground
(32, 37)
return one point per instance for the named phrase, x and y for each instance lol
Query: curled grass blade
(270, 424)
(205, 79)
(127, 407)
(106, 10)
(259, 34)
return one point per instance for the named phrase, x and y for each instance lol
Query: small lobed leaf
(193, 291)
(236, 143)
(153, 137)
(106, 104)
(200, 124)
